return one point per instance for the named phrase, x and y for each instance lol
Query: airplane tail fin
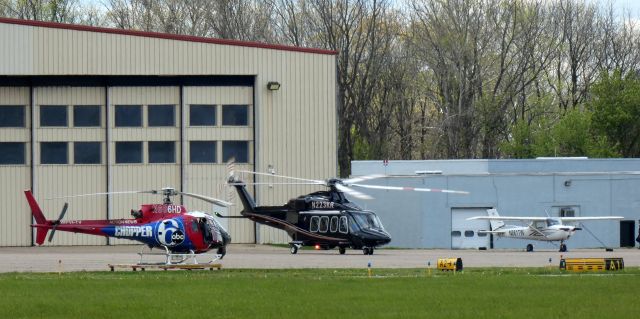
(41, 221)
(495, 224)
(246, 199)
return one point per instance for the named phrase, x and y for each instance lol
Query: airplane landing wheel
(529, 248)
(294, 249)
(342, 250)
(371, 251)
(365, 251)
(563, 248)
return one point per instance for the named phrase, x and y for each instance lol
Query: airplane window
(539, 224)
(482, 234)
(333, 227)
(344, 227)
(324, 224)
(456, 233)
(468, 233)
(313, 224)
(551, 222)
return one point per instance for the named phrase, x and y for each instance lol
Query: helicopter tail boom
(42, 224)
(246, 199)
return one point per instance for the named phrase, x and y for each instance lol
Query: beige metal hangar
(86, 110)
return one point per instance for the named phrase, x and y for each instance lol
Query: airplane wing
(507, 218)
(577, 219)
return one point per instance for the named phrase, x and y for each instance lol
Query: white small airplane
(539, 228)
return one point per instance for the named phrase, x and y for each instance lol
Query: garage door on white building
(464, 233)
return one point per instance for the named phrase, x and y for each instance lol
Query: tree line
(438, 79)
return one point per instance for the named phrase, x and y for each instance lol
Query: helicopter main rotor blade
(361, 179)
(352, 192)
(211, 200)
(287, 177)
(105, 193)
(57, 222)
(397, 188)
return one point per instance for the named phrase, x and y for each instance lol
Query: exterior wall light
(273, 86)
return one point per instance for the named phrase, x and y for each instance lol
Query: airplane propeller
(57, 222)
(345, 185)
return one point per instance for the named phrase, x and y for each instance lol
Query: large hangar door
(464, 233)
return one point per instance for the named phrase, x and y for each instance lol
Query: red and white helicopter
(180, 233)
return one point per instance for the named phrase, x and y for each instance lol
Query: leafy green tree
(616, 110)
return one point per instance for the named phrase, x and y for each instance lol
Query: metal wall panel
(15, 219)
(209, 179)
(53, 180)
(143, 176)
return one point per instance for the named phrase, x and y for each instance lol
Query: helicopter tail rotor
(55, 223)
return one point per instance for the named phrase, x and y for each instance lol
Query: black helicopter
(323, 219)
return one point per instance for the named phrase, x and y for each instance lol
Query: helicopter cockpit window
(367, 220)
(344, 226)
(333, 227)
(313, 226)
(324, 224)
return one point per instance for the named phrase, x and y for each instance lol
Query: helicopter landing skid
(174, 258)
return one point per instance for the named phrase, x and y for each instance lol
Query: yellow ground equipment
(591, 264)
(454, 264)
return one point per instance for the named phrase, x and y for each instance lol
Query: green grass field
(322, 293)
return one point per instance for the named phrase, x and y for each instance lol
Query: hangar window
(202, 151)
(128, 152)
(333, 227)
(53, 115)
(313, 224)
(468, 233)
(86, 116)
(344, 227)
(324, 224)
(12, 153)
(237, 115)
(12, 116)
(162, 152)
(86, 153)
(161, 115)
(53, 153)
(456, 233)
(128, 115)
(202, 115)
(235, 149)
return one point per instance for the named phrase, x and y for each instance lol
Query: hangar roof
(546, 165)
(168, 36)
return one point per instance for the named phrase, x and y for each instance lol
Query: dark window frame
(194, 107)
(159, 122)
(122, 120)
(228, 120)
(119, 159)
(226, 156)
(9, 160)
(86, 162)
(202, 143)
(21, 123)
(85, 107)
(48, 120)
(45, 154)
(154, 158)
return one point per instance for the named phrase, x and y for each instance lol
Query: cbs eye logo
(169, 233)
